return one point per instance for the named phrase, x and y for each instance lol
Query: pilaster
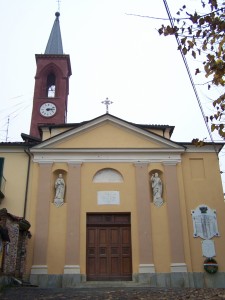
(175, 219)
(72, 259)
(42, 220)
(144, 219)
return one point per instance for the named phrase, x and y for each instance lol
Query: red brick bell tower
(51, 83)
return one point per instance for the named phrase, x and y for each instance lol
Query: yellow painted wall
(184, 216)
(199, 183)
(15, 173)
(57, 217)
(57, 221)
(194, 188)
(160, 132)
(57, 239)
(160, 237)
(127, 202)
(46, 133)
(110, 136)
(160, 232)
(202, 185)
(31, 213)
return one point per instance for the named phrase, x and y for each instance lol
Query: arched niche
(161, 190)
(107, 175)
(160, 173)
(55, 175)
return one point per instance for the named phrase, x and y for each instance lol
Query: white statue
(59, 191)
(157, 189)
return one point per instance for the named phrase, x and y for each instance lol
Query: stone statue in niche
(59, 191)
(156, 189)
(204, 222)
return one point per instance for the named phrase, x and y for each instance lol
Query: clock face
(48, 109)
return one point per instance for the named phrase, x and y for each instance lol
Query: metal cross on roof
(58, 4)
(107, 102)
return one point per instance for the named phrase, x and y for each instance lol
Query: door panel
(109, 250)
(102, 236)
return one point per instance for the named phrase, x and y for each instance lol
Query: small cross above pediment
(107, 102)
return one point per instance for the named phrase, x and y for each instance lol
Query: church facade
(110, 200)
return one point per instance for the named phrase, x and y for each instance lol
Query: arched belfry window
(51, 81)
(107, 175)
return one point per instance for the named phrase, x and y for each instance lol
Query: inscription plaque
(208, 248)
(108, 198)
(204, 222)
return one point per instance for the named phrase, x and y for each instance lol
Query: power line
(149, 17)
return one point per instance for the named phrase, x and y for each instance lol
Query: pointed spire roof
(54, 45)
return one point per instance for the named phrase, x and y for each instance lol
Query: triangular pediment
(107, 132)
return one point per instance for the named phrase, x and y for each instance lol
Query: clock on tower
(51, 83)
(48, 109)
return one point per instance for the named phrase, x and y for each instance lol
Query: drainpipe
(27, 151)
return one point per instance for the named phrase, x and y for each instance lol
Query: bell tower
(51, 87)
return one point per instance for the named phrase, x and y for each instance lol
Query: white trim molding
(178, 268)
(39, 269)
(146, 268)
(71, 269)
(106, 155)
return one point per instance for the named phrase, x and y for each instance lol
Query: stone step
(102, 284)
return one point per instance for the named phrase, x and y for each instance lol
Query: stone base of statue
(158, 201)
(58, 202)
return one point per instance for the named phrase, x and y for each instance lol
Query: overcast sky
(113, 54)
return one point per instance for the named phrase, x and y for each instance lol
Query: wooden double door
(109, 247)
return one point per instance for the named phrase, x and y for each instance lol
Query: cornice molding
(77, 157)
(74, 163)
(170, 162)
(18, 149)
(45, 151)
(42, 162)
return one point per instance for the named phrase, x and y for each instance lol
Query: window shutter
(1, 166)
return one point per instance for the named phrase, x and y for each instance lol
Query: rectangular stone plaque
(108, 198)
(208, 248)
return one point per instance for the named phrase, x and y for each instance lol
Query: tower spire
(54, 45)
(51, 83)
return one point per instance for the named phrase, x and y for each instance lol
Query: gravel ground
(25, 293)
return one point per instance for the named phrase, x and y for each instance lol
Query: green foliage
(203, 35)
